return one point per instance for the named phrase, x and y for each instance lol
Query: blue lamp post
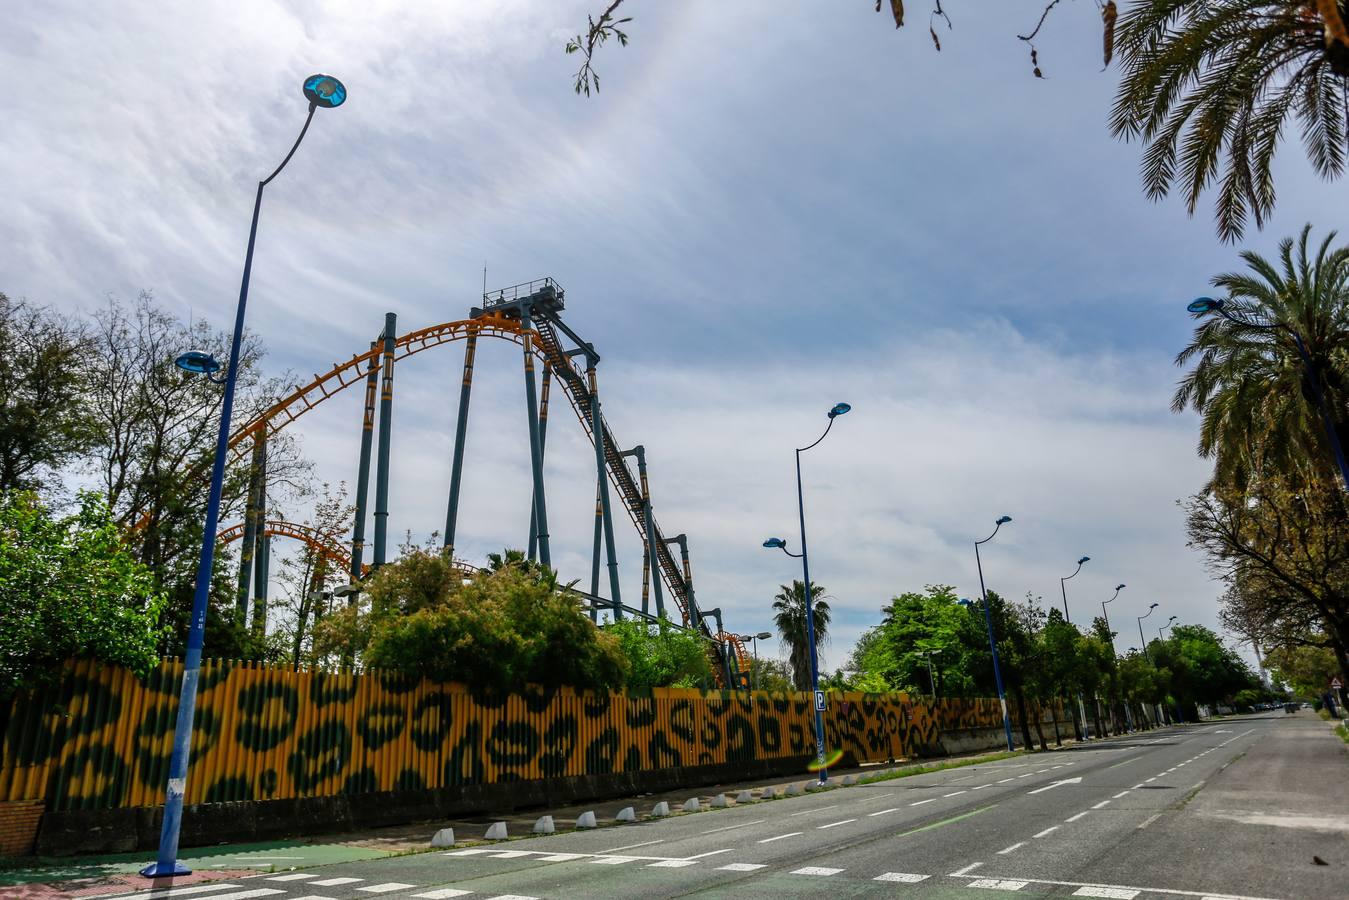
(1064, 587)
(1204, 305)
(1142, 641)
(988, 620)
(1160, 629)
(321, 91)
(777, 543)
(1106, 615)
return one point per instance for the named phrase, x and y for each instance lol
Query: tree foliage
(661, 655)
(70, 589)
(789, 615)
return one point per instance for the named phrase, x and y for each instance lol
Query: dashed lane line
(1175, 892)
(1102, 804)
(780, 837)
(835, 824)
(882, 812)
(815, 810)
(635, 846)
(710, 853)
(728, 827)
(1016, 846)
(1076, 817)
(965, 871)
(1051, 829)
(921, 802)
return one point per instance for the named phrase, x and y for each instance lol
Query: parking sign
(819, 701)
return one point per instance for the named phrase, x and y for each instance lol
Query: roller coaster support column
(460, 435)
(543, 445)
(597, 431)
(251, 522)
(692, 617)
(651, 566)
(723, 647)
(260, 560)
(385, 436)
(363, 471)
(595, 557)
(535, 444)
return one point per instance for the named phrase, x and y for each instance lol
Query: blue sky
(760, 214)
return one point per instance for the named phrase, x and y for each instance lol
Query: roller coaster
(527, 314)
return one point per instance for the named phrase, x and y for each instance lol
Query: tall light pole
(321, 91)
(930, 676)
(1105, 613)
(838, 410)
(1205, 305)
(988, 620)
(1160, 628)
(1064, 588)
(1142, 640)
(755, 638)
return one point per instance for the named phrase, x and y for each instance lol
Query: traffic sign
(1335, 685)
(819, 701)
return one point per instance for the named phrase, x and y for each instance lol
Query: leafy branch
(596, 34)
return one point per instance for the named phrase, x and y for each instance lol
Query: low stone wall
(19, 826)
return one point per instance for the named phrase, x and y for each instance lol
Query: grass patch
(936, 767)
(1343, 731)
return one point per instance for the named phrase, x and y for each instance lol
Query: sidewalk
(38, 878)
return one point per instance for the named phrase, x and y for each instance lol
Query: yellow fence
(101, 738)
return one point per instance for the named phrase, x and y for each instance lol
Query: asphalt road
(1241, 808)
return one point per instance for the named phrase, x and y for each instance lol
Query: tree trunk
(1021, 711)
(1039, 725)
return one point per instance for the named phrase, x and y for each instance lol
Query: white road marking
(1152, 890)
(1120, 794)
(612, 860)
(1150, 780)
(1003, 781)
(386, 887)
(1149, 820)
(980, 787)
(954, 794)
(902, 877)
(1047, 831)
(442, 894)
(172, 892)
(816, 870)
(293, 876)
(965, 871)
(561, 857)
(313, 897)
(512, 897)
(642, 844)
(836, 824)
(741, 867)
(815, 810)
(334, 882)
(881, 812)
(511, 854)
(1109, 893)
(1076, 817)
(779, 837)
(471, 851)
(1042, 771)
(876, 797)
(671, 864)
(1101, 804)
(995, 884)
(921, 802)
(1054, 784)
(711, 853)
(244, 895)
(1015, 846)
(1027, 775)
(724, 828)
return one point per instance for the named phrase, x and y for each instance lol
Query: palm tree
(789, 615)
(1208, 85)
(1250, 385)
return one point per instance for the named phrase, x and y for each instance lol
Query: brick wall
(18, 826)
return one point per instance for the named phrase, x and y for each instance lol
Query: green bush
(661, 655)
(69, 588)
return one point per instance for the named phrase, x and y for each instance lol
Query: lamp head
(1084, 559)
(1120, 587)
(1003, 520)
(325, 91)
(839, 409)
(1170, 620)
(197, 361)
(1153, 606)
(1201, 305)
(775, 544)
(764, 635)
(965, 601)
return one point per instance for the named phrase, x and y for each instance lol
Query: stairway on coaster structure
(543, 299)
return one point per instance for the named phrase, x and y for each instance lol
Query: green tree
(661, 655)
(1210, 85)
(789, 615)
(1306, 668)
(45, 416)
(71, 589)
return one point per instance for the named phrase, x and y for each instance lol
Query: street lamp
(838, 410)
(1204, 305)
(755, 638)
(1106, 615)
(988, 620)
(1064, 588)
(1142, 640)
(321, 91)
(931, 677)
(1160, 637)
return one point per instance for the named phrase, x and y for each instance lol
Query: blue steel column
(652, 552)
(460, 435)
(535, 444)
(385, 437)
(595, 558)
(692, 617)
(597, 431)
(260, 569)
(543, 445)
(250, 535)
(363, 470)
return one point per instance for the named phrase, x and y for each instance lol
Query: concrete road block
(544, 825)
(744, 797)
(793, 790)
(692, 805)
(626, 815)
(660, 810)
(849, 780)
(586, 819)
(769, 793)
(720, 802)
(496, 832)
(443, 838)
